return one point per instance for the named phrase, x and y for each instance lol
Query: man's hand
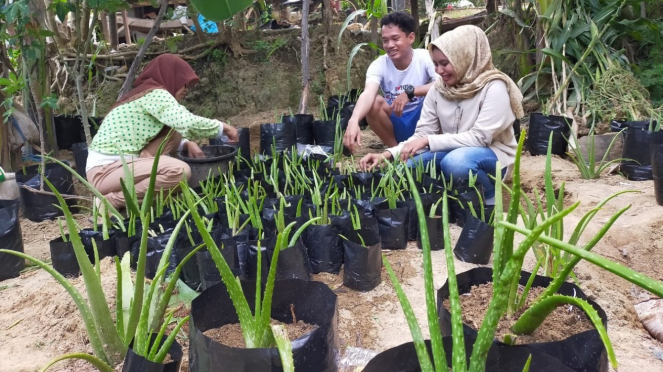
(194, 150)
(231, 133)
(352, 136)
(399, 104)
(370, 161)
(410, 148)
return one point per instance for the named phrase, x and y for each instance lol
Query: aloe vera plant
(255, 328)
(139, 310)
(506, 271)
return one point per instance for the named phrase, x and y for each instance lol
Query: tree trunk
(306, 79)
(193, 13)
(414, 9)
(112, 28)
(491, 6)
(327, 20)
(133, 70)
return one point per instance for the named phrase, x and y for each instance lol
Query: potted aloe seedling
(252, 307)
(140, 310)
(505, 298)
(434, 227)
(362, 254)
(475, 243)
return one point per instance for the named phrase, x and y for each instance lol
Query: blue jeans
(457, 165)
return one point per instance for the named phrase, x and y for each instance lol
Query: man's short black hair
(403, 20)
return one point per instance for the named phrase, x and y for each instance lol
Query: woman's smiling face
(444, 68)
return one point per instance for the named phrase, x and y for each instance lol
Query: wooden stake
(306, 44)
(127, 32)
(112, 28)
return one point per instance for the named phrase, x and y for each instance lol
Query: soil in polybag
(311, 302)
(38, 207)
(283, 136)
(581, 352)
(362, 255)
(11, 238)
(540, 127)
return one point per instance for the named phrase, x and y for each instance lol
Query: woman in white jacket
(466, 124)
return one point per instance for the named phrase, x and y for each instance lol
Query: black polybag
(80, 157)
(303, 125)
(393, 225)
(475, 244)
(63, 257)
(656, 146)
(636, 149)
(501, 358)
(281, 135)
(538, 136)
(293, 262)
(435, 234)
(11, 239)
(465, 196)
(209, 273)
(243, 144)
(312, 302)
(324, 132)
(136, 363)
(324, 248)
(39, 207)
(105, 248)
(363, 261)
(583, 352)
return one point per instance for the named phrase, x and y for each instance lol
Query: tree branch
(133, 70)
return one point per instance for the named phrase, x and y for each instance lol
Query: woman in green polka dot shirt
(138, 123)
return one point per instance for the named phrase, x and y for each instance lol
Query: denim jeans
(457, 164)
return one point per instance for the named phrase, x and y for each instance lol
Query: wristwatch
(409, 90)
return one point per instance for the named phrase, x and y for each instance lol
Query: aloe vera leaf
(587, 218)
(528, 286)
(89, 186)
(129, 200)
(527, 364)
(137, 304)
(96, 362)
(514, 207)
(142, 336)
(159, 358)
(573, 261)
(652, 285)
(235, 292)
(499, 303)
(86, 313)
(119, 319)
(439, 356)
(127, 291)
(537, 313)
(284, 346)
(417, 337)
(257, 307)
(98, 306)
(160, 309)
(499, 233)
(157, 341)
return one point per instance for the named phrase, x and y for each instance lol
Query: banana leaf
(220, 10)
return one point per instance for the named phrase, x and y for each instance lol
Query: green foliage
(649, 71)
(268, 48)
(220, 10)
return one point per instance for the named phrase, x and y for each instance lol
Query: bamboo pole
(306, 44)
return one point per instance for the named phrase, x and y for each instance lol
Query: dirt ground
(39, 320)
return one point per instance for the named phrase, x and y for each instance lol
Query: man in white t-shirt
(404, 75)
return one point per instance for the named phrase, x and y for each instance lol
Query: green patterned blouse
(128, 128)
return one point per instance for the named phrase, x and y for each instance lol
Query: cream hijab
(467, 49)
